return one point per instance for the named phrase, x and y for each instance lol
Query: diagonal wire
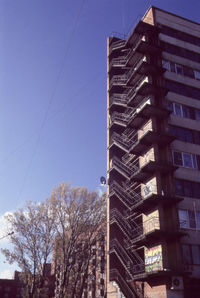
(61, 70)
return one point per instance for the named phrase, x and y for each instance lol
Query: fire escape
(134, 108)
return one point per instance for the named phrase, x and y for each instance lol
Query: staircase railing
(123, 224)
(118, 79)
(123, 285)
(117, 44)
(132, 266)
(118, 98)
(119, 117)
(130, 199)
(118, 164)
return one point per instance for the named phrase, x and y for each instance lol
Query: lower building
(8, 288)
(85, 267)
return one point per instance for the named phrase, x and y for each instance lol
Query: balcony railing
(124, 286)
(133, 264)
(147, 227)
(120, 61)
(119, 166)
(116, 216)
(135, 166)
(135, 67)
(119, 118)
(122, 141)
(119, 99)
(118, 80)
(130, 198)
(134, 49)
(136, 87)
(117, 44)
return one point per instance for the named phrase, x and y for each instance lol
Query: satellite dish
(103, 180)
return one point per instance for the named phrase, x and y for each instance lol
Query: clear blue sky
(53, 90)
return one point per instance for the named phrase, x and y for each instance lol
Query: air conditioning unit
(177, 283)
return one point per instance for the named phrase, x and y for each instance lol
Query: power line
(61, 70)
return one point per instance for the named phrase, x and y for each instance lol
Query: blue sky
(53, 91)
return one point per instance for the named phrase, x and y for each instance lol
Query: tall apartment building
(153, 132)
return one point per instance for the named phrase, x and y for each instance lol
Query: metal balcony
(117, 101)
(135, 72)
(141, 174)
(117, 62)
(141, 47)
(141, 28)
(153, 200)
(153, 230)
(119, 44)
(145, 110)
(121, 142)
(118, 81)
(148, 138)
(121, 169)
(141, 68)
(118, 119)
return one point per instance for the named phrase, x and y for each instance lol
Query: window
(183, 111)
(170, 106)
(183, 218)
(185, 134)
(166, 65)
(191, 254)
(188, 160)
(198, 219)
(197, 114)
(183, 89)
(197, 74)
(172, 49)
(185, 159)
(186, 112)
(187, 188)
(195, 254)
(179, 69)
(177, 109)
(187, 256)
(177, 158)
(179, 187)
(196, 190)
(180, 35)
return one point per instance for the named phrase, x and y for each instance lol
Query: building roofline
(173, 14)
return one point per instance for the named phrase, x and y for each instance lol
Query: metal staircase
(131, 263)
(117, 217)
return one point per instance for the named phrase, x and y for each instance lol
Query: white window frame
(193, 160)
(167, 65)
(184, 219)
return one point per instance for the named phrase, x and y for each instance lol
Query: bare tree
(81, 219)
(66, 226)
(33, 229)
